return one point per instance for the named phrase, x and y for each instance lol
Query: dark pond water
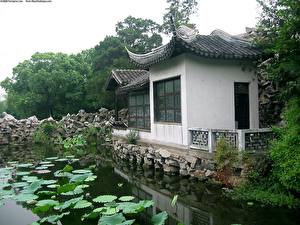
(198, 203)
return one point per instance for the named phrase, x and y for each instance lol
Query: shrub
(74, 145)
(46, 133)
(226, 158)
(97, 135)
(132, 137)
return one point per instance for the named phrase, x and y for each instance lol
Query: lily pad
(126, 198)
(26, 197)
(61, 160)
(23, 173)
(67, 168)
(105, 198)
(160, 218)
(42, 171)
(52, 158)
(25, 165)
(67, 204)
(112, 220)
(53, 219)
(53, 186)
(48, 182)
(48, 202)
(82, 204)
(106, 210)
(20, 184)
(81, 171)
(41, 168)
(30, 179)
(91, 178)
(46, 193)
(45, 162)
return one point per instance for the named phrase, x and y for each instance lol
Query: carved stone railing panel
(199, 139)
(257, 141)
(230, 136)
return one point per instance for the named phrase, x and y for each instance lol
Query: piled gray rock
(160, 158)
(17, 131)
(13, 131)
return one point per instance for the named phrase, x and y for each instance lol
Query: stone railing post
(241, 139)
(211, 143)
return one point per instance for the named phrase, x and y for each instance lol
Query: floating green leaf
(76, 191)
(174, 200)
(48, 202)
(81, 171)
(53, 219)
(79, 177)
(46, 193)
(48, 182)
(91, 178)
(69, 203)
(53, 186)
(105, 198)
(25, 165)
(30, 179)
(67, 168)
(66, 187)
(60, 173)
(82, 204)
(126, 198)
(45, 162)
(52, 158)
(23, 173)
(112, 220)
(61, 160)
(160, 218)
(106, 210)
(25, 197)
(41, 168)
(20, 184)
(34, 186)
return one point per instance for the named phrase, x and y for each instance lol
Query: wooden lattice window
(139, 110)
(167, 100)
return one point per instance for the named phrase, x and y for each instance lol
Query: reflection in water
(180, 213)
(198, 204)
(14, 214)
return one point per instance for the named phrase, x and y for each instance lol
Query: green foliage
(3, 105)
(46, 133)
(180, 11)
(160, 218)
(141, 35)
(285, 150)
(97, 135)
(75, 145)
(48, 84)
(132, 137)
(226, 156)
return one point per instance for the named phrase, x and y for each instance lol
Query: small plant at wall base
(226, 158)
(74, 145)
(132, 137)
(46, 133)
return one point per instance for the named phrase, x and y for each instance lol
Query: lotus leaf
(60, 173)
(66, 187)
(83, 186)
(41, 168)
(112, 220)
(25, 165)
(47, 182)
(23, 173)
(48, 202)
(34, 186)
(20, 184)
(82, 204)
(25, 197)
(46, 193)
(160, 218)
(76, 191)
(68, 203)
(81, 171)
(52, 158)
(132, 208)
(91, 178)
(30, 179)
(53, 219)
(67, 168)
(126, 198)
(53, 186)
(106, 210)
(61, 160)
(42, 171)
(105, 198)
(79, 177)
(45, 162)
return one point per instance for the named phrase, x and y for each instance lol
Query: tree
(140, 35)
(48, 84)
(179, 13)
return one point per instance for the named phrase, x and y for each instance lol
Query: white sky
(70, 26)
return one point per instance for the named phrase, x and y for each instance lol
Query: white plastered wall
(210, 92)
(174, 133)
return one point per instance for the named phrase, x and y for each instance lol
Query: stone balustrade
(253, 140)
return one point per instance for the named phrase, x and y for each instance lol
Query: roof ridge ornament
(186, 33)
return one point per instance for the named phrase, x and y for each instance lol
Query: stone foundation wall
(168, 161)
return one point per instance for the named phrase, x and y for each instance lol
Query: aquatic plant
(54, 199)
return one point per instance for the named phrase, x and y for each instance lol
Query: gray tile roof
(216, 45)
(126, 79)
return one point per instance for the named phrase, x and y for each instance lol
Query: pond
(199, 203)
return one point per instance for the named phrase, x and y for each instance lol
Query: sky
(71, 26)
